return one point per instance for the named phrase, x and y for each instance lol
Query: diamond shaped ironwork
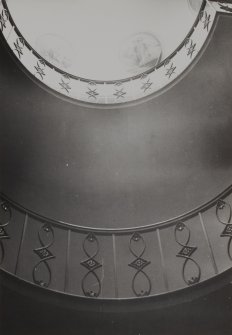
(44, 253)
(227, 231)
(3, 234)
(91, 264)
(186, 251)
(139, 264)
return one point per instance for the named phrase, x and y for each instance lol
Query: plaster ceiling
(104, 39)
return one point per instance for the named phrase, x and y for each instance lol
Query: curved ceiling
(122, 54)
(104, 39)
(118, 170)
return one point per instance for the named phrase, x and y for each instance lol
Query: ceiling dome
(90, 39)
(121, 202)
(105, 58)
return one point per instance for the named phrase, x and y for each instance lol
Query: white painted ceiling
(104, 39)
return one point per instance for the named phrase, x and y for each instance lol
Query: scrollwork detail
(44, 254)
(139, 265)
(186, 252)
(223, 214)
(91, 264)
(5, 219)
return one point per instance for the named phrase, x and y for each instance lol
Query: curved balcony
(118, 264)
(87, 194)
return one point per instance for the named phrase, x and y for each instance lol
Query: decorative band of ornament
(226, 8)
(153, 81)
(186, 252)
(223, 5)
(5, 218)
(4, 17)
(91, 283)
(41, 274)
(223, 213)
(137, 247)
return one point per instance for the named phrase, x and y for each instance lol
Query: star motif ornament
(191, 49)
(18, 47)
(3, 21)
(65, 86)
(40, 71)
(226, 8)
(120, 93)
(92, 93)
(207, 21)
(171, 71)
(133, 85)
(146, 86)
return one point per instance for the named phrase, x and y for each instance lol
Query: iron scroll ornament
(91, 264)
(139, 237)
(186, 252)
(224, 214)
(139, 265)
(45, 255)
(5, 209)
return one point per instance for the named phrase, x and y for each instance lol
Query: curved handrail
(106, 231)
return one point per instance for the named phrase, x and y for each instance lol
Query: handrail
(119, 231)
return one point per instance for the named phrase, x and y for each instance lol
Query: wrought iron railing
(117, 264)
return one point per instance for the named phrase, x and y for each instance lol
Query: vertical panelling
(202, 255)
(34, 252)
(108, 275)
(11, 244)
(59, 250)
(163, 261)
(173, 264)
(28, 259)
(75, 271)
(117, 265)
(209, 245)
(214, 229)
(138, 263)
(186, 254)
(91, 265)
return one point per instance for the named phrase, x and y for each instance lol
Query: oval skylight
(103, 39)
(102, 51)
